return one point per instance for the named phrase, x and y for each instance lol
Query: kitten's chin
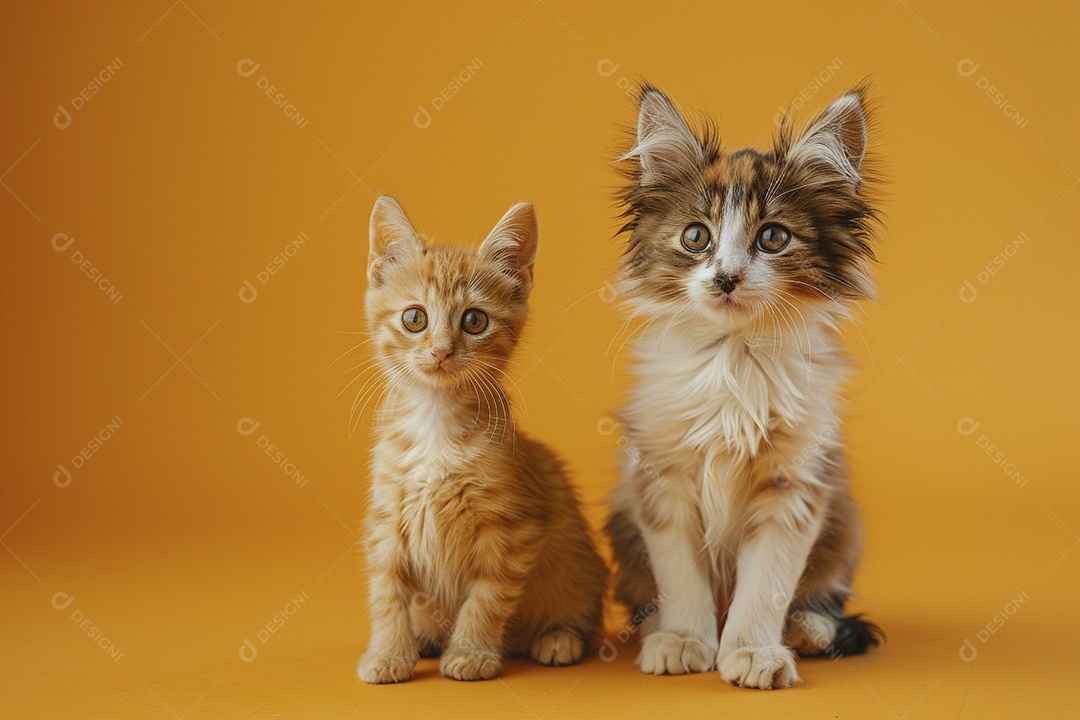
(729, 304)
(438, 376)
(730, 313)
(728, 307)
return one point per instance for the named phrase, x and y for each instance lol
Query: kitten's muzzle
(441, 367)
(439, 355)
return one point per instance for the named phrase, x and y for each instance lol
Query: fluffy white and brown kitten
(732, 514)
(476, 545)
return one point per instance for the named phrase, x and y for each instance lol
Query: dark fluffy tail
(854, 636)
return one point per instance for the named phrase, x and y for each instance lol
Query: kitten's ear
(836, 138)
(392, 239)
(666, 147)
(511, 245)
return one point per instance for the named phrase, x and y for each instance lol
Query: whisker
(372, 389)
(354, 347)
(509, 379)
(636, 333)
(593, 292)
(806, 329)
(355, 378)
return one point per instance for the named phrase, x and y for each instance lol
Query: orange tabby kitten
(476, 545)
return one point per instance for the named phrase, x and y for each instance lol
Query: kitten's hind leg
(634, 584)
(558, 646)
(817, 623)
(821, 627)
(809, 632)
(475, 649)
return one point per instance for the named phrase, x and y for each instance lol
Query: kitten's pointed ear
(392, 239)
(511, 244)
(837, 137)
(665, 147)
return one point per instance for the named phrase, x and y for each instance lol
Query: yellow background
(180, 179)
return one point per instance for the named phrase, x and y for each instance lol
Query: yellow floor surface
(269, 625)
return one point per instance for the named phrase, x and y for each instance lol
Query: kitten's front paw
(380, 669)
(764, 668)
(664, 653)
(473, 665)
(557, 647)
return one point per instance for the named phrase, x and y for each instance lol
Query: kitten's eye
(773, 238)
(695, 237)
(414, 319)
(474, 321)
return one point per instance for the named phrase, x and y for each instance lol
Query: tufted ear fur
(392, 239)
(836, 138)
(511, 245)
(666, 147)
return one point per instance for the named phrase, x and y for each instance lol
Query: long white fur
(700, 410)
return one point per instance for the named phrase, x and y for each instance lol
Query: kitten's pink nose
(441, 353)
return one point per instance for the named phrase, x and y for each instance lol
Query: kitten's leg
(577, 601)
(475, 648)
(683, 636)
(558, 646)
(567, 587)
(817, 623)
(819, 626)
(785, 521)
(809, 631)
(634, 584)
(392, 650)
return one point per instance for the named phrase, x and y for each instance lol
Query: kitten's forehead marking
(449, 276)
(739, 180)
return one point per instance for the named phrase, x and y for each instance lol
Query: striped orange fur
(475, 542)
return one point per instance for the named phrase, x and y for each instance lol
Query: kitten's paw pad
(664, 653)
(764, 668)
(557, 647)
(476, 665)
(380, 669)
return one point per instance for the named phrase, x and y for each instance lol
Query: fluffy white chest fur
(715, 416)
(435, 442)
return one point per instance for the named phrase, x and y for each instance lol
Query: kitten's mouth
(439, 372)
(729, 303)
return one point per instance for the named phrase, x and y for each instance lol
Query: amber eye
(773, 238)
(695, 237)
(474, 321)
(414, 319)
